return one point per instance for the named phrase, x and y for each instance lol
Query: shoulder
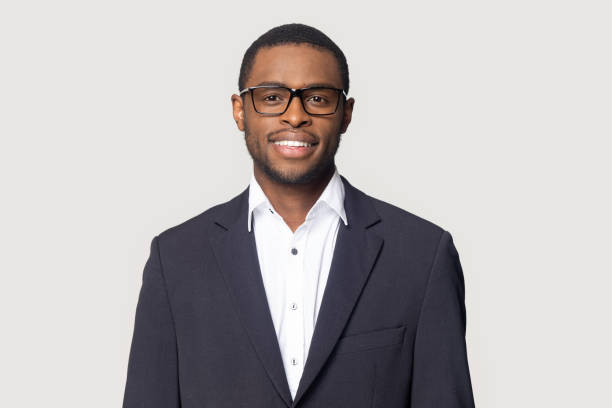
(394, 220)
(195, 231)
(405, 231)
(402, 221)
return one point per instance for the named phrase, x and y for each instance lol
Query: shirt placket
(295, 305)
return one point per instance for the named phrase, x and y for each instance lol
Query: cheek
(259, 127)
(331, 127)
(330, 133)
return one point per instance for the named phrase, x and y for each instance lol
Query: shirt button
(293, 306)
(294, 361)
(294, 251)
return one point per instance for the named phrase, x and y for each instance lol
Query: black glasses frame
(294, 92)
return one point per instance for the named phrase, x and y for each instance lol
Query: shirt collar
(332, 195)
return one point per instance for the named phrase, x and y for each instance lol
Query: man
(302, 290)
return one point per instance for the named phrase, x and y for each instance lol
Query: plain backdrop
(491, 119)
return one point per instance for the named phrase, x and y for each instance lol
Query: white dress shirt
(295, 267)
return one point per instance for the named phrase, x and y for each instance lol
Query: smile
(293, 143)
(293, 149)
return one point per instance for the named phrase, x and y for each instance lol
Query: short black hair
(293, 33)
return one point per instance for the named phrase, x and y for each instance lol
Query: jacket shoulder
(197, 228)
(397, 220)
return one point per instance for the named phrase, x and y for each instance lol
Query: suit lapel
(354, 255)
(237, 257)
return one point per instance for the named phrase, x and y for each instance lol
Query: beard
(318, 170)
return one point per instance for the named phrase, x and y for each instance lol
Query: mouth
(293, 149)
(294, 143)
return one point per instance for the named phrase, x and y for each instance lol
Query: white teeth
(294, 143)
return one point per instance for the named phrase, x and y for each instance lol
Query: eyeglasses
(272, 100)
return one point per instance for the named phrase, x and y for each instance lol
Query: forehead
(295, 66)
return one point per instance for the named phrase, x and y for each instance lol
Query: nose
(295, 115)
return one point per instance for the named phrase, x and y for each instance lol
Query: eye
(317, 99)
(271, 98)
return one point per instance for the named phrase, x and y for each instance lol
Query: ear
(347, 114)
(238, 111)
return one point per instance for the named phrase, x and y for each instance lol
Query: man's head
(294, 56)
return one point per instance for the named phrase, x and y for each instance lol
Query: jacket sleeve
(152, 374)
(441, 375)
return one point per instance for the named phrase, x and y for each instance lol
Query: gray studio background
(489, 118)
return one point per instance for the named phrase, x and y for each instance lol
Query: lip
(293, 136)
(293, 152)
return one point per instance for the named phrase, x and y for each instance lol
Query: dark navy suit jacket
(390, 331)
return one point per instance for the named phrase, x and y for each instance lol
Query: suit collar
(332, 195)
(357, 206)
(356, 250)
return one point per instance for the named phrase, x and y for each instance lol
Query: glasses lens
(270, 100)
(320, 101)
(317, 101)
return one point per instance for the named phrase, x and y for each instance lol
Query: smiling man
(293, 109)
(302, 290)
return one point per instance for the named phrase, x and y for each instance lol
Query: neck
(292, 201)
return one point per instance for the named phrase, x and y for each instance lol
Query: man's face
(293, 66)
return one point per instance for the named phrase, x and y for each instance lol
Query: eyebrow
(276, 83)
